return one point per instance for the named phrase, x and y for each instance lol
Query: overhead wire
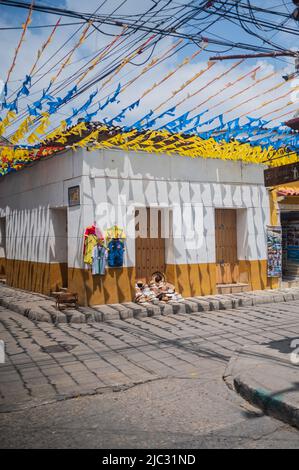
(137, 49)
(189, 18)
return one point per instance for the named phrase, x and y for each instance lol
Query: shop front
(288, 197)
(99, 222)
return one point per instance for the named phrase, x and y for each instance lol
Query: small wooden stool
(66, 299)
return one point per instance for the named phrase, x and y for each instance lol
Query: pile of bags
(157, 290)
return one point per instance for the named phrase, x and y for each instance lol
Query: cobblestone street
(46, 363)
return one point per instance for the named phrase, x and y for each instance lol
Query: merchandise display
(100, 251)
(157, 289)
(115, 239)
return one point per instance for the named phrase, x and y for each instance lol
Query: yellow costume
(89, 243)
(115, 232)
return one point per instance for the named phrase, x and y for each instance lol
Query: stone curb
(270, 401)
(41, 308)
(283, 410)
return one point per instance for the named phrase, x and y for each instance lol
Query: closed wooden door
(149, 243)
(227, 271)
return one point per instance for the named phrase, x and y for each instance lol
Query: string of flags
(29, 136)
(152, 141)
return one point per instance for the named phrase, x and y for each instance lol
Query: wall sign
(74, 196)
(274, 246)
(281, 174)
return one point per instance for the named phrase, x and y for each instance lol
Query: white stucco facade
(113, 184)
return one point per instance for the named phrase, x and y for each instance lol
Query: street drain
(57, 348)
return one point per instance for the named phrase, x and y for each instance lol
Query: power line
(106, 72)
(149, 29)
(142, 26)
(40, 26)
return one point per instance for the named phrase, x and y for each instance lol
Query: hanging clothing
(99, 233)
(115, 232)
(89, 243)
(99, 259)
(103, 256)
(92, 230)
(116, 249)
(95, 261)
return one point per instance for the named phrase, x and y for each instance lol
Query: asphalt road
(153, 383)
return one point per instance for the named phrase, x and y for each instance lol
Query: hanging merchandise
(92, 236)
(115, 232)
(94, 230)
(116, 249)
(89, 243)
(157, 289)
(115, 237)
(274, 244)
(99, 258)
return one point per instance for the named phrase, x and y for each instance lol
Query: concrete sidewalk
(266, 377)
(38, 307)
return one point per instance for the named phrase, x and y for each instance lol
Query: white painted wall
(26, 198)
(58, 238)
(114, 183)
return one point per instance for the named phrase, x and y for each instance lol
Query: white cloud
(35, 38)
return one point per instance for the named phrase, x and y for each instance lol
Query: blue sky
(221, 28)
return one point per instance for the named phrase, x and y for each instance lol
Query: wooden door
(149, 244)
(227, 271)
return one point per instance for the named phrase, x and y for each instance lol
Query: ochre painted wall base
(254, 273)
(200, 279)
(192, 279)
(118, 285)
(34, 276)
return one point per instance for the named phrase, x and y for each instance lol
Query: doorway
(149, 242)
(227, 269)
(59, 251)
(290, 245)
(2, 246)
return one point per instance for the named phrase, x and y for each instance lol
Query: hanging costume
(92, 235)
(96, 253)
(115, 237)
(99, 259)
(116, 249)
(89, 243)
(115, 232)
